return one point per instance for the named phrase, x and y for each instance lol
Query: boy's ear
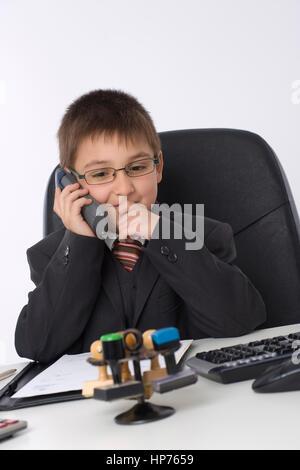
(159, 167)
(66, 169)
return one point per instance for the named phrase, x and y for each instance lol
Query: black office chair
(238, 178)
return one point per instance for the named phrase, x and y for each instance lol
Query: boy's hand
(67, 205)
(138, 220)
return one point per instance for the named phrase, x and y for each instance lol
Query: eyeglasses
(107, 175)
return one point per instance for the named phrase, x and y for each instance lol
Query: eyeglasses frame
(155, 160)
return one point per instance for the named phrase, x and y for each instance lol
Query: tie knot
(127, 251)
(126, 242)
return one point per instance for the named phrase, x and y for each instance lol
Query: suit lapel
(147, 276)
(111, 285)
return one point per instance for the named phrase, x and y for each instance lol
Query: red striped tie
(127, 252)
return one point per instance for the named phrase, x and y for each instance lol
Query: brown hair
(104, 112)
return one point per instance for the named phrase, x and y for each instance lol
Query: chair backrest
(239, 179)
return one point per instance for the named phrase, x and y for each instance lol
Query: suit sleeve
(219, 298)
(58, 309)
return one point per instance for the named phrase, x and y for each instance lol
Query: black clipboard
(22, 378)
(29, 372)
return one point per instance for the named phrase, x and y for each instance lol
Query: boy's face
(141, 189)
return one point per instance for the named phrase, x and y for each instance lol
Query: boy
(87, 286)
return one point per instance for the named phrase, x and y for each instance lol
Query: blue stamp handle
(165, 335)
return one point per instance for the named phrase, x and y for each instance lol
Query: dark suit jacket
(77, 297)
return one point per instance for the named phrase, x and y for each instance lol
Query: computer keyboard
(243, 361)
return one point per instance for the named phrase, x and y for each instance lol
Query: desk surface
(208, 415)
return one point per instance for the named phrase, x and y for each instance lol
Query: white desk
(208, 415)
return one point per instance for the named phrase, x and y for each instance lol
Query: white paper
(70, 371)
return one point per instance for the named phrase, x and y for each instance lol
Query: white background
(191, 63)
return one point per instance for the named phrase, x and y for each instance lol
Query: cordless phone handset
(89, 212)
